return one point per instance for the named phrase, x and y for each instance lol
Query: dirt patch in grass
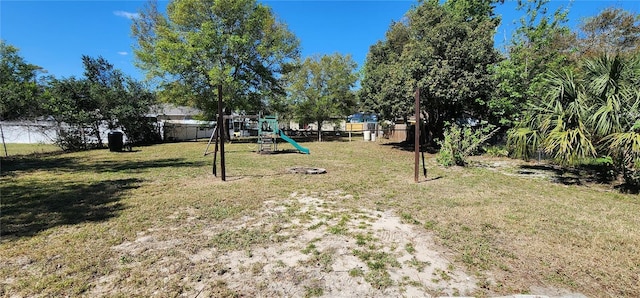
(301, 246)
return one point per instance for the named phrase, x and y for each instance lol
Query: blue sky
(55, 34)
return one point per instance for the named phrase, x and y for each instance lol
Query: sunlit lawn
(13, 149)
(62, 214)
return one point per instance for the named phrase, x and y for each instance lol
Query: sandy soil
(326, 251)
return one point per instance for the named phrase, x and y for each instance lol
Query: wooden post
(221, 132)
(416, 136)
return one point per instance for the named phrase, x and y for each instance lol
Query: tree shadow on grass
(409, 146)
(628, 188)
(31, 207)
(138, 166)
(71, 164)
(574, 175)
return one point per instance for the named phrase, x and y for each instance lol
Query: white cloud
(123, 53)
(126, 14)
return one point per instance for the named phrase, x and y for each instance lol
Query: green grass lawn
(13, 149)
(65, 218)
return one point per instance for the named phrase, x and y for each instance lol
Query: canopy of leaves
(321, 88)
(612, 30)
(200, 44)
(383, 87)
(19, 89)
(541, 43)
(103, 96)
(444, 49)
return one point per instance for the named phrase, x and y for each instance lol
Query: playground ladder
(267, 144)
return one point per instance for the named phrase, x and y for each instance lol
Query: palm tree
(581, 117)
(625, 148)
(615, 90)
(557, 124)
(568, 138)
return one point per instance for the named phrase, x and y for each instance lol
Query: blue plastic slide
(292, 142)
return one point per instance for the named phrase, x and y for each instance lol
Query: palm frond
(523, 142)
(569, 146)
(625, 145)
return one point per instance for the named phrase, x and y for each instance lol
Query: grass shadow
(139, 166)
(281, 151)
(32, 207)
(579, 175)
(430, 179)
(71, 164)
(628, 188)
(408, 146)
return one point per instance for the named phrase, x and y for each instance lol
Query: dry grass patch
(155, 222)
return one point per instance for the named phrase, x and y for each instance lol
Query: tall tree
(612, 30)
(321, 89)
(445, 49)
(383, 86)
(200, 44)
(104, 96)
(450, 58)
(541, 43)
(19, 88)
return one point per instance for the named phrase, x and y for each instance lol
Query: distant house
(336, 124)
(175, 123)
(360, 122)
(178, 123)
(167, 111)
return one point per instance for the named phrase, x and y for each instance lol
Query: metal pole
(221, 132)
(416, 137)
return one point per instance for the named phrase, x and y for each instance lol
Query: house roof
(190, 122)
(169, 109)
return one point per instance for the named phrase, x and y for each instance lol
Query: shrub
(460, 142)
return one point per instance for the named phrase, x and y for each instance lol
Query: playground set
(269, 131)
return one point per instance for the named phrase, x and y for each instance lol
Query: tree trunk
(319, 130)
(6, 153)
(96, 131)
(227, 133)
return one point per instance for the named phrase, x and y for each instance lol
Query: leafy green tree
(444, 49)
(76, 113)
(321, 89)
(201, 44)
(383, 86)
(122, 101)
(104, 96)
(541, 43)
(20, 91)
(449, 59)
